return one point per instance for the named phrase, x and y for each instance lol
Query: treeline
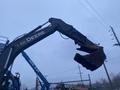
(104, 84)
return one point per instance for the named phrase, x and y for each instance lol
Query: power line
(101, 20)
(70, 81)
(94, 12)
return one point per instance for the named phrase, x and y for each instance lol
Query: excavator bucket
(93, 60)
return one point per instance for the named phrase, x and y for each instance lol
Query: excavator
(94, 58)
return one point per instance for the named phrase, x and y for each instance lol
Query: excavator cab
(3, 43)
(10, 81)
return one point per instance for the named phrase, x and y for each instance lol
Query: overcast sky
(54, 55)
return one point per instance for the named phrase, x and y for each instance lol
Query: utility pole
(118, 42)
(110, 82)
(90, 83)
(37, 83)
(80, 73)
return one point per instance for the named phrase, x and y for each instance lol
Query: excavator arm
(91, 61)
(96, 55)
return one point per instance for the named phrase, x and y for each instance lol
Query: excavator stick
(95, 57)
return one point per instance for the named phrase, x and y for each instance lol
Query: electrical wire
(94, 12)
